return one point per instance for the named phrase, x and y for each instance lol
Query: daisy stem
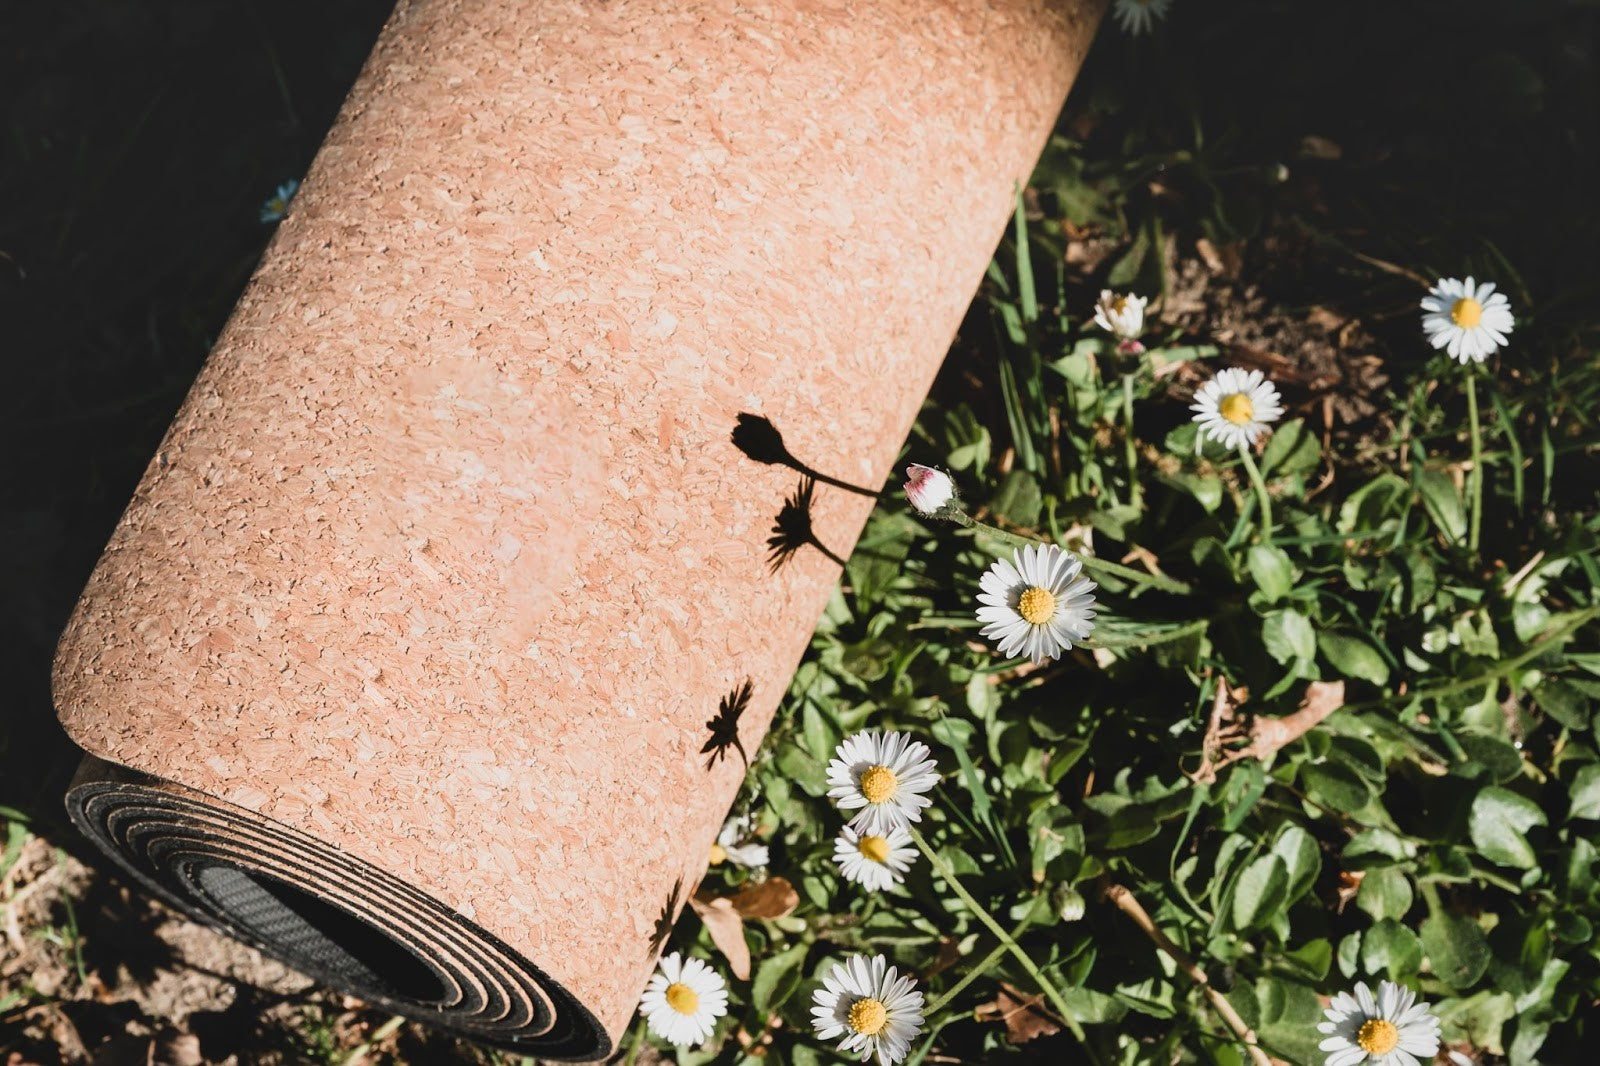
(981, 912)
(1261, 493)
(1135, 489)
(1093, 566)
(972, 975)
(1475, 482)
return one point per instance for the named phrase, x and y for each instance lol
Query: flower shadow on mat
(792, 529)
(724, 727)
(667, 918)
(759, 439)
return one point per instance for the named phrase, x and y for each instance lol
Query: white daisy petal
(1389, 1028)
(1470, 321)
(884, 776)
(1235, 407)
(1045, 608)
(683, 1000)
(875, 1010)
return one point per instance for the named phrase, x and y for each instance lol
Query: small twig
(1130, 906)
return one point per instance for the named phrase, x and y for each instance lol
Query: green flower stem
(943, 869)
(1261, 494)
(972, 975)
(1475, 479)
(1136, 488)
(1100, 568)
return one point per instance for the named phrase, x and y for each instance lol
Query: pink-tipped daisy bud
(929, 490)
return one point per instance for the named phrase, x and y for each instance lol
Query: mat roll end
(344, 922)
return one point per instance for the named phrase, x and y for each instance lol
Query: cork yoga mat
(429, 651)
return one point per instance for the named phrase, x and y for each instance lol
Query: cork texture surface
(448, 558)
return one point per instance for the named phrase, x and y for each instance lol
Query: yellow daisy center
(1237, 408)
(878, 783)
(1036, 605)
(874, 848)
(868, 1016)
(682, 998)
(1377, 1036)
(718, 854)
(1466, 312)
(1119, 304)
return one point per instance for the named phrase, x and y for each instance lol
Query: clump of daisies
(1122, 315)
(683, 1000)
(874, 860)
(883, 778)
(1037, 604)
(1391, 1028)
(277, 205)
(1467, 320)
(875, 1010)
(1236, 407)
(1139, 16)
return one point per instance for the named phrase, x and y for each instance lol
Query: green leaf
(1498, 822)
(1260, 891)
(1390, 948)
(1564, 702)
(1334, 786)
(1585, 793)
(1443, 503)
(1272, 571)
(1353, 656)
(1288, 636)
(770, 987)
(1385, 893)
(1302, 860)
(1293, 449)
(1457, 950)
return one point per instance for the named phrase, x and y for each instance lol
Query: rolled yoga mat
(428, 653)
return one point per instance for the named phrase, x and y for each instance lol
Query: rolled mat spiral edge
(344, 922)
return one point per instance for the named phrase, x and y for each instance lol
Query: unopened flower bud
(1069, 903)
(929, 490)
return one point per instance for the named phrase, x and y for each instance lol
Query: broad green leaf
(1293, 449)
(1272, 571)
(1334, 786)
(1385, 892)
(1498, 822)
(1353, 656)
(1456, 948)
(1564, 702)
(1302, 860)
(1288, 636)
(1391, 949)
(1585, 793)
(1260, 892)
(776, 978)
(1443, 503)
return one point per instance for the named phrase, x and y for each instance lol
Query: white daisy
(873, 860)
(929, 490)
(1121, 315)
(884, 774)
(1037, 605)
(1468, 321)
(735, 844)
(1390, 1029)
(1138, 16)
(683, 1000)
(1234, 407)
(277, 204)
(877, 1011)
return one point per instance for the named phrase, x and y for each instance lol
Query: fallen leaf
(773, 898)
(727, 932)
(1024, 1016)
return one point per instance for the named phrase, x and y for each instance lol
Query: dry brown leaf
(773, 898)
(727, 932)
(1024, 1016)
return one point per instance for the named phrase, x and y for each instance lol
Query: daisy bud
(1120, 315)
(1069, 903)
(929, 490)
